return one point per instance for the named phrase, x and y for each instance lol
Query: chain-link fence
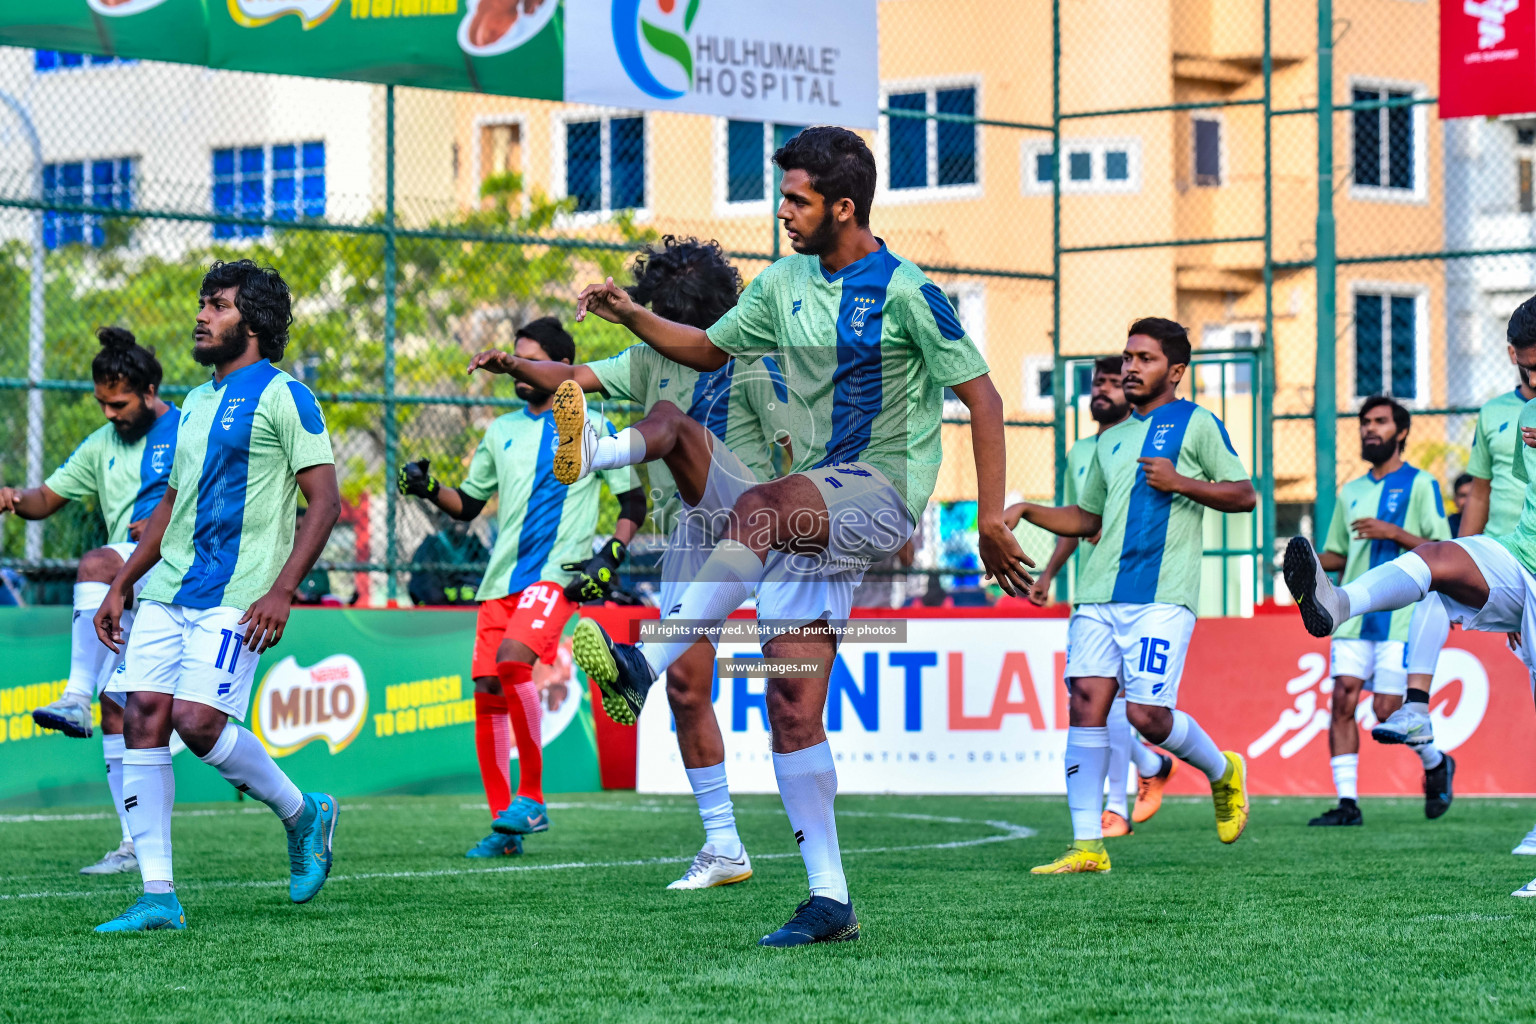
(1060, 169)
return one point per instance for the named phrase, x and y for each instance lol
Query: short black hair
(1400, 415)
(839, 163)
(1461, 481)
(262, 297)
(1522, 324)
(122, 358)
(555, 340)
(686, 281)
(1171, 335)
(1109, 364)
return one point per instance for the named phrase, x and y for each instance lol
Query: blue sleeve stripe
(943, 312)
(309, 409)
(776, 376)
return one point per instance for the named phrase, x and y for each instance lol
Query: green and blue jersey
(541, 524)
(1521, 541)
(1151, 542)
(1407, 497)
(127, 480)
(241, 443)
(1079, 457)
(867, 353)
(1494, 443)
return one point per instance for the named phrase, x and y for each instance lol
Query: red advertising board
(1487, 57)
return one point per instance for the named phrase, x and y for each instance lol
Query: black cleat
(818, 919)
(1437, 787)
(620, 671)
(1347, 813)
(1316, 596)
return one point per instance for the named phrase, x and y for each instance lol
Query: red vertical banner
(1487, 57)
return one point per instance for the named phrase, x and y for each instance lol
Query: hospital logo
(296, 705)
(629, 26)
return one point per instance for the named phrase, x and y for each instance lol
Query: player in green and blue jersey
(123, 466)
(1145, 495)
(1391, 509)
(226, 563)
(541, 567)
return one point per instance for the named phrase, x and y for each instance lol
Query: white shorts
(867, 521)
(1383, 664)
(125, 550)
(1509, 588)
(1142, 645)
(193, 654)
(694, 536)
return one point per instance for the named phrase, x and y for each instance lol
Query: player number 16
(1154, 655)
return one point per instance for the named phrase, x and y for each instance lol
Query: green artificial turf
(1402, 920)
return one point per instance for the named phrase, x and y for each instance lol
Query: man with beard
(1145, 494)
(1391, 509)
(223, 534)
(1107, 406)
(867, 345)
(544, 536)
(124, 466)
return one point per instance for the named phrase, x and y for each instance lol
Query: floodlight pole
(35, 321)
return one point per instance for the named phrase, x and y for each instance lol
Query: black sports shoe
(620, 671)
(818, 919)
(1437, 787)
(1347, 813)
(1316, 597)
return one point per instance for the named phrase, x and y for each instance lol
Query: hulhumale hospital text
(753, 68)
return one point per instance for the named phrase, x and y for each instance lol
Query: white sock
(1427, 633)
(714, 798)
(1119, 776)
(1429, 755)
(112, 751)
(808, 787)
(724, 581)
(245, 764)
(1389, 587)
(1148, 761)
(149, 793)
(1346, 768)
(625, 448)
(88, 656)
(1190, 744)
(1086, 762)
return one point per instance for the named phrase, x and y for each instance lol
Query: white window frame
(1422, 377)
(485, 121)
(1030, 368)
(1097, 183)
(1419, 194)
(969, 297)
(1221, 148)
(557, 126)
(931, 192)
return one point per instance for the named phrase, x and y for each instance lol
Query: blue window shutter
(1400, 143)
(626, 163)
(956, 139)
(1368, 343)
(314, 179)
(1367, 139)
(584, 164)
(1080, 166)
(1405, 379)
(744, 163)
(908, 140)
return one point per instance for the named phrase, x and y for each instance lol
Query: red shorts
(535, 617)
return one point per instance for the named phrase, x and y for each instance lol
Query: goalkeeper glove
(416, 479)
(595, 578)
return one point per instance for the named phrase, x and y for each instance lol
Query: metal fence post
(1325, 396)
(391, 428)
(1058, 372)
(1266, 437)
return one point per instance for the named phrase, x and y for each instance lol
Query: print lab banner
(791, 61)
(1487, 57)
(353, 702)
(977, 705)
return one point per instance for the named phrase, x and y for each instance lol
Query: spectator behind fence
(452, 544)
(1461, 490)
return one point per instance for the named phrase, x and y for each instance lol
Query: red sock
(493, 747)
(527, 716)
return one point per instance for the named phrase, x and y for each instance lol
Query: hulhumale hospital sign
(790, 61)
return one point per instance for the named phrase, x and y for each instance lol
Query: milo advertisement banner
(792, 61)
(351, 702)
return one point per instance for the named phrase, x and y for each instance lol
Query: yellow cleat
(1082, 856)
(1230, 795)
(1114, 825)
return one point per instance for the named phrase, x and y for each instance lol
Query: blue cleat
(525, 817)
(620, 671)
(818, 919)
(309, 846)
(153, 911)
(497, 845)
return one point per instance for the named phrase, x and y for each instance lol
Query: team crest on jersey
(1392, 500)
(157, 458)
(861, 308)
(1161, 437)
(230, 407)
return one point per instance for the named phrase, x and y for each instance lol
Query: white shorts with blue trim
(1383, 664)
(697, 529)
(1142, 645)
(192, 654)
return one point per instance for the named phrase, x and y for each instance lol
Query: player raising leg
(713, 452)
(544, 535)
(250, 441)
(124, 466)
(1145, 494)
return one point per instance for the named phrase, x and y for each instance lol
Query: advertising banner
(978, 705)
(1487, 57)
(352, 702)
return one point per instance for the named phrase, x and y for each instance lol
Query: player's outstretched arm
(110, 614)
(544, 374)
(269, 615)
(1474, 514)
(33, 503)
(1221, 495)
(678, 342)
(416, 480)
(1040, 593)
(999, 549)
